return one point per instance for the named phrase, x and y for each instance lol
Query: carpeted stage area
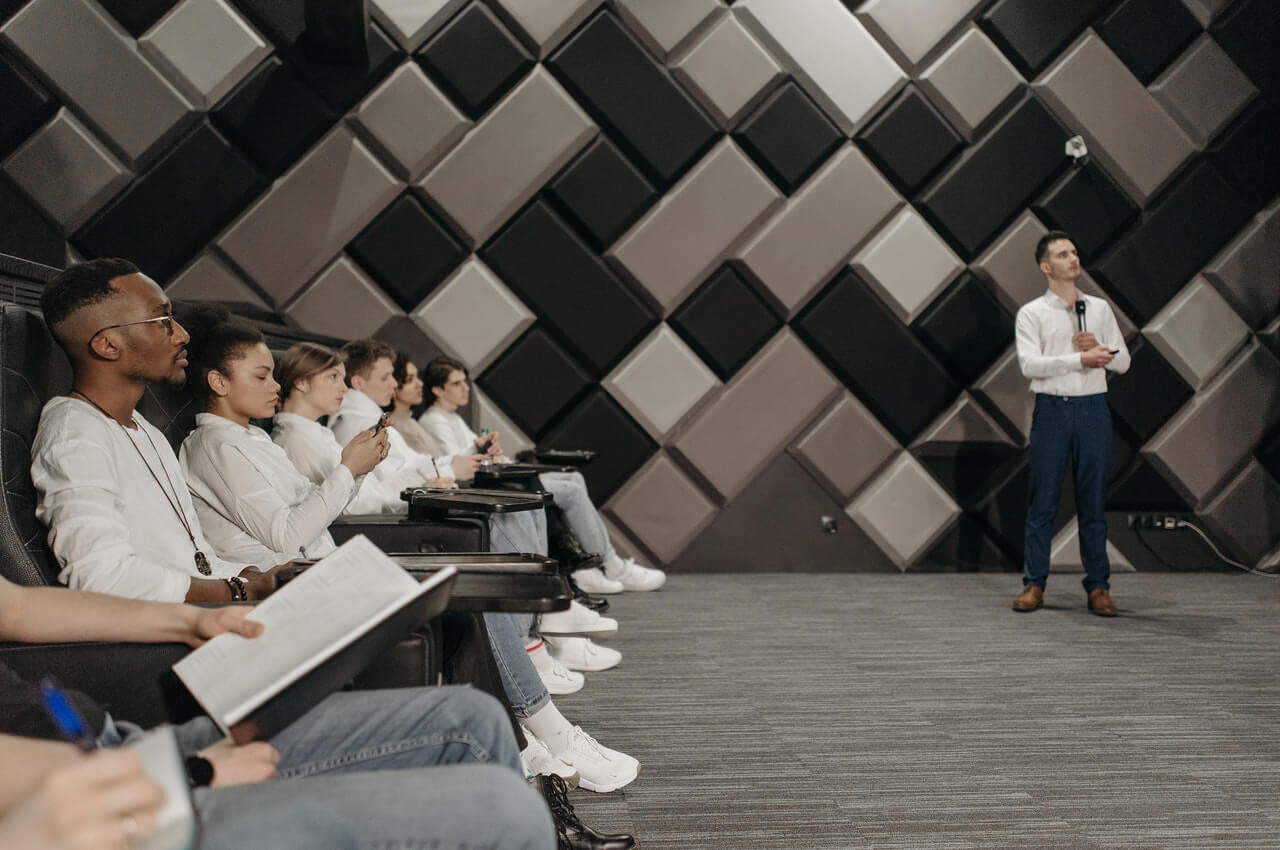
(857, 710)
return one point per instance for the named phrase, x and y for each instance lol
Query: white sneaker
(578, 653)
(632, 576)
(538, 761)
(559, 680)
(599, 768)
(578, 621)
(593, 580)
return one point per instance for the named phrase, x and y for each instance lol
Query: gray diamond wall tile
(473, 315)
(737, 435)
(970, 80)
(904, 510)
(727, 70)
(664, 24)
(488, 415)
(662, 507)
(1089, 286)
(660, 382)
(1006, 391)
(1064, 553)
(411, 22)
(1197, 332)
(209, 278)
(1127, 131)
(1246, 514)
(545, 23)
(965, 421)
(820, 227)
(205, 47)
(66, 171)
(907, 264)
(411, 121)
(98, 68)
(830, 52)
(845, 447)
(1247, 272)
(342, 302)
(1243, 402)
(687, 234)
(915, 27)
(1009, 265)
(499, 165)
(1203, 90)
(311, 212)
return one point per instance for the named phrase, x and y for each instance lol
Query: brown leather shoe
(1100, 603)
(1031, 598)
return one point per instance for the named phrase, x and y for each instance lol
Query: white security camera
(1078, 151)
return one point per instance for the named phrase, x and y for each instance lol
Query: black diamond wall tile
(1148, 394)
(1147, 35)
(598, 424)
(636, 101)
(966, 548)
(272, 116)
(1245, 154)
(533, 381)
(966, 328)
(601, 192)
(977, 196)
(1172, 241)
(1031, 32)
(1268, 454)
(26, 233)
(1142, 488)
(909, 140)
(556, 274)
(967, 470)
(137, 16)
(1003, 514)
(9, 7)
(788, 136)
(1089, 205)
(407, 251)
(25, 104)
(876, 356)
(725, 322)
(474, 59)
(1270, 337)
(1249, 33)
(169, 213)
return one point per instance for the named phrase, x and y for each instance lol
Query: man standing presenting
(1067, 341)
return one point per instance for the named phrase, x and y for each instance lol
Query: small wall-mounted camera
(1078, 151)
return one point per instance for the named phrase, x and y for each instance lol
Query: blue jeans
(1075, 428)
(570, 490)
(507, 632)
(523, 531)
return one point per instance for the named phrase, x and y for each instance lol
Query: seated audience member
(446, 379)
(408, 395)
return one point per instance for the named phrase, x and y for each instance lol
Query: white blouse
(314, 451)
(359, 413)
(449, 430)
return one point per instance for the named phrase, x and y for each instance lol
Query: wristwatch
(199, 771)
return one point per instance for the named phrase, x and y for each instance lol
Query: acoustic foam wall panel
(602, 216)
(205, 48)
(788, 136)
(1247, 272)
(411, 22)
(665, 24)
(909, 140)
(475, 59)
(727, 70)
(26, 104)
(1203, 90)
(1197, 332)
(970, 80)
(534, 381)
(342, 302)
(411, 121)
(725, 346)
(845, 447)
(660, 382)
(598, 424)
(407, 250)
(473, 315)
(1146, 35)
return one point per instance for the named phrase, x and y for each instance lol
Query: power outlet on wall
(1161, 522)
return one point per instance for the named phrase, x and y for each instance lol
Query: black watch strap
(199, 771)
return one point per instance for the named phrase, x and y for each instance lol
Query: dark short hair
(362, 354)
(304, 360)
(437, 372)
(81, 285)
(400, 369)
(1042, 247)
(217, 340)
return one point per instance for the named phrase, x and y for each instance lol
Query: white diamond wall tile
(1064, 553)
(1247, 272)
(1197, 332)
(662, 507)
(96, 67)
(907, 264)
(1243, 402)
(1246, 514)
(736, 435)
(412, 22)
(1091, 90)
(488, 415)
(964, 422)
(727, 70)
(690, 231)
(819, 227)
(411, 121)
(205, 47)
(473, 315)
(915, 27)
(1009, 265)
(306, 218)
(831, 54)
(66, 171)
(845, 447)
(1206, 10)
(545, 23)
(1203, 90)
(342, 302)
(1004, 389)
(969, 80)
(506, 158)
(664, 24)
(660, 381)
(209, 278)
(903, 510)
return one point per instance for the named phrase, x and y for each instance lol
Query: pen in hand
(65, 717)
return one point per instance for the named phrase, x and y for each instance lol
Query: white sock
(550, 727)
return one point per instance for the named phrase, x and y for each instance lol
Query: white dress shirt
(450, 431)
(1044, 329)
(111, 527)
(314, 451)
(359, 413)
(253, 502)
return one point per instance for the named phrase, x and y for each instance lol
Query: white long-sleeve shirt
(1044, 328)
(253, 502)
(111, 527)
(359, 413)
(314, 451)
(450, 431)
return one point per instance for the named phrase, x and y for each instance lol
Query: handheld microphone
(1080, 314)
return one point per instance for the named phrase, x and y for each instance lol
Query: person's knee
(519, 818)
(485, 717)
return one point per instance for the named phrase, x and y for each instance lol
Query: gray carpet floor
(849, 711)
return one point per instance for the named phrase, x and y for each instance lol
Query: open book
(321, 629)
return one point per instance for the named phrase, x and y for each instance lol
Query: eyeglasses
(166, 320)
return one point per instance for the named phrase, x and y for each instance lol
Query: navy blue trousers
(1076, 429)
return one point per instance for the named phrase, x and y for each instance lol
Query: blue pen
(64, 715)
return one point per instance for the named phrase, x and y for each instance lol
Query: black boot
(571, 832)
(596, 603)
